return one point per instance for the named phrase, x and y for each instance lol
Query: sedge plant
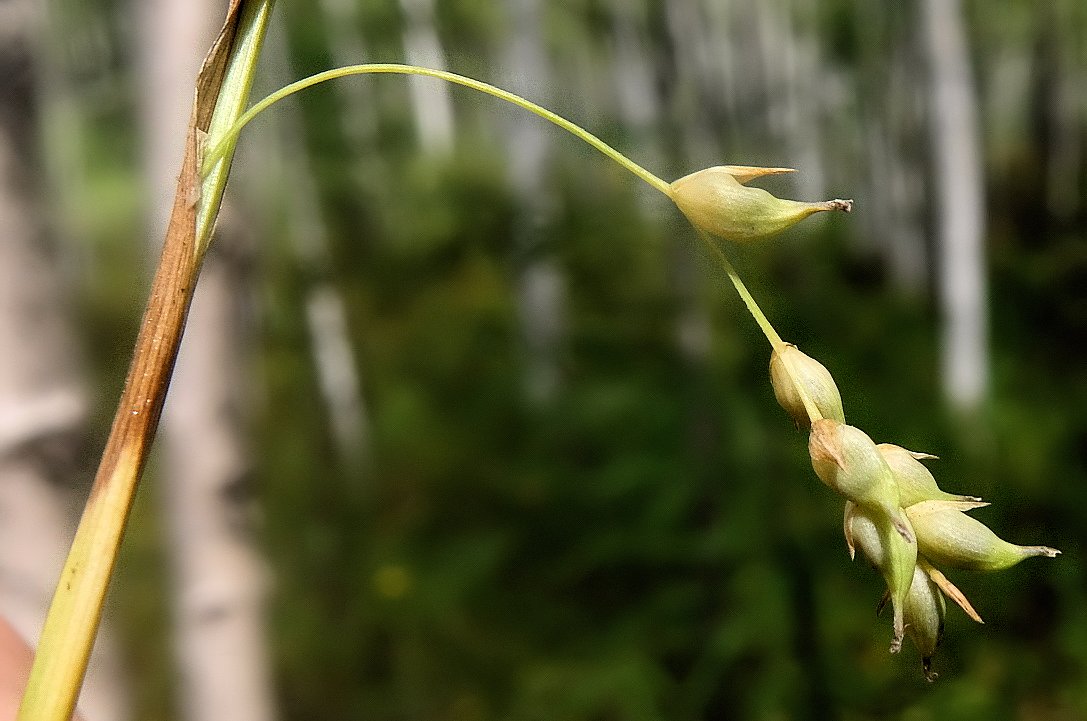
(894, 510)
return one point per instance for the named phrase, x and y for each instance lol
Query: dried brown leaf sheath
(137, 416)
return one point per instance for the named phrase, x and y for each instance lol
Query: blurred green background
(610, 518)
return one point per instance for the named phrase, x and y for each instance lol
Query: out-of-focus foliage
(650, 542)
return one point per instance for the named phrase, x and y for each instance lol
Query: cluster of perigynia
(894, 510)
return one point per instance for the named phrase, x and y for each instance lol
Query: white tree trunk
(43, 402)
(639, 109)
(430, 98)
(334, 355)
(221, 582)
(803, 120)
(540, 285)
(343, 29)
(958, 180)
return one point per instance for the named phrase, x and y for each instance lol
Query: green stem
(745, 294)
(234, 94)
(227, 141)
(216, 157)
(764, 323)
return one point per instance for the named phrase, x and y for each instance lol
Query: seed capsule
(949, 537)
(847, 460)
(915, 482)
(789, 366)
(716, 201)
(892, 555)
(925, 610)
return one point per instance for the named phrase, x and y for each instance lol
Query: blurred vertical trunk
(1058, 107)
(343, 29)
(804, 72)
(43, 401)
(893, 126)
(540, 288)
(334, 356)
(221, 580)
(958, 182)
(640, 112)
(430, 99)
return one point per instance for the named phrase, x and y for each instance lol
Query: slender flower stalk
(231, 137)
(698, 195)
(748, 299)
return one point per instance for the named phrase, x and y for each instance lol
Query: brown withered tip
(846, 206)
(824, 443)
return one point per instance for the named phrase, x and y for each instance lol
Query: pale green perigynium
(717, 201)
(892, 555)
(915, 482)
(794, 374)
(949, 537)
(924, 614)
(847, 460)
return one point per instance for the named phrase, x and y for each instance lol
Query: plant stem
(233, 97)
(745, 294)
(75, 611)
(213, 158)
(231, 137)
(764, 323)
